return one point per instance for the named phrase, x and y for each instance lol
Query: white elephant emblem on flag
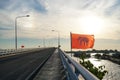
(84, 41)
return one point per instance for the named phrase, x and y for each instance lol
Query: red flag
(80, 41)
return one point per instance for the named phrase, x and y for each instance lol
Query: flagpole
(71, 42)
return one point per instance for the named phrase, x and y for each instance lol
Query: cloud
(22, 5)
(62, 15)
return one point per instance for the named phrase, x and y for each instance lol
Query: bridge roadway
(52, 70)
(19, 67)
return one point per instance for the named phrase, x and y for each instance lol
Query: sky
(98, 17)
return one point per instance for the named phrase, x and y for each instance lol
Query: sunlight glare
(92, 24)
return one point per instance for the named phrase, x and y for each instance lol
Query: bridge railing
(74, 70)
(14, 51)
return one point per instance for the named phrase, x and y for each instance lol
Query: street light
(16, 29)
(58, 37)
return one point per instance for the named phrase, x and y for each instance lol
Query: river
(112, 68)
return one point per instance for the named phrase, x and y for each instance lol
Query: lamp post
(58, 37)
(16, 29)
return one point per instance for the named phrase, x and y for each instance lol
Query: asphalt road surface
(18, 67)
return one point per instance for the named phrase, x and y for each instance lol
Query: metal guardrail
(4, 52)
(74, 70)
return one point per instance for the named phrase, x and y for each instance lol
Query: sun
(91, 24)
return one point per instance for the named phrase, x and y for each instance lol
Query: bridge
(41, 64)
